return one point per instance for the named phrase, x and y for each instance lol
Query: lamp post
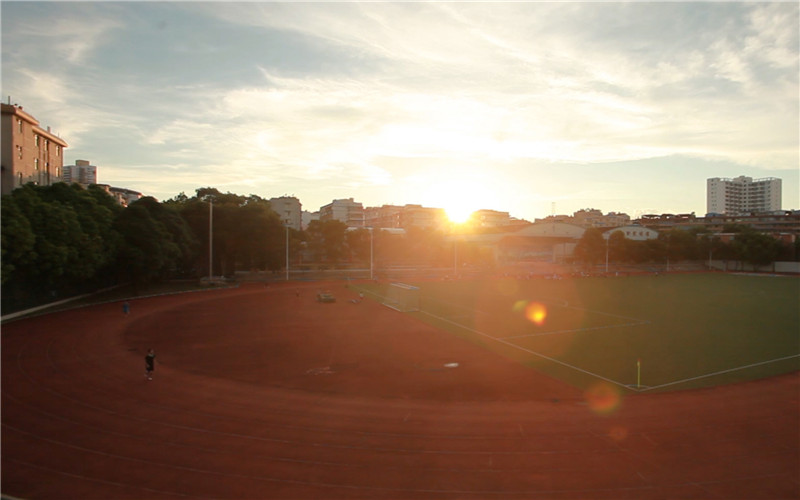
(608, 237)
(371, 250)
(455, 258)
(287, 248)
(210, 238)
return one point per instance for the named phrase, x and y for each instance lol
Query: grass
(687, 331)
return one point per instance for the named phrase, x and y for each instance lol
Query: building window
(36, 140)
(19, 125)
(36, 164)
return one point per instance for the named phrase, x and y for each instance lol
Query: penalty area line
(511, 344)
(576, 330)
(721, 372)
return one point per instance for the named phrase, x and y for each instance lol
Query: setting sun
(458, 214)
(460, 199)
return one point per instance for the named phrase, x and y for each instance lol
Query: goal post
(402, 297)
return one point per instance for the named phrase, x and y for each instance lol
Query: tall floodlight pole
(607, 238)
(455, 258)
(287, 250)
(210, 238)
(371, 246)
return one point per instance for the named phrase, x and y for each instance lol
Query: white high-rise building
(742, 195)
(348, 211)
(81, 173)
(290, 211)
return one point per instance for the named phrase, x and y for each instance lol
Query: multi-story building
(81, 173)
(742, 195)
(385, 216)
(590, 217)
(290, 211)
(123, 196)
(348, 211)
(424, 217)
(397, 217)
(30, 153)
(489, 218)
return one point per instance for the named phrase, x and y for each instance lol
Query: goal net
(402, 297)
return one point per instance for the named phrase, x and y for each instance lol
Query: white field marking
(511, 344)
(718, 373)
(557, 332)
(515, 346)
(563, 304)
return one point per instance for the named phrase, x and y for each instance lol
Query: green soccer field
(640, 333)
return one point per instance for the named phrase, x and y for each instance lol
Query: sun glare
(458, 214)
(460, 199)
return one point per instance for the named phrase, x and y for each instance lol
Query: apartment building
(742, 195)
(290, 211)
(348, 211)
(30, 153)
(489, 218)
(123, 196)
(81, 173)
(385, 216)
(590, 217)
(423, 217)
(404, 217)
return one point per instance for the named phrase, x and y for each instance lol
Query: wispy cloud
(358, 95)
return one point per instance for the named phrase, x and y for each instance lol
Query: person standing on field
(149, 364)
(126, 307)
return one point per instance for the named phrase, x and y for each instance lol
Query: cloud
(357, 95)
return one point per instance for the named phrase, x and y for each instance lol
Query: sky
(531, 108)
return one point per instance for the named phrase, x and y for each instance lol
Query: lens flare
(603, 398)
(520, 305)
(536, 313)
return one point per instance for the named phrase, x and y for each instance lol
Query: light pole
(608, 237)
(210, 237)
(371, 250)
(287, 249)
(455, 258)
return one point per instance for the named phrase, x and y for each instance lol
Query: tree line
(692, 244)
(62, 240)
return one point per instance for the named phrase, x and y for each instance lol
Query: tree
(757, 249)
(72, 237)
(591, 248)
(17, 239)
(148, 252)
(618, 247)
(247, 233)
(326, 240)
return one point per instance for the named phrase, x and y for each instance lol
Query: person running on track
(149, 364)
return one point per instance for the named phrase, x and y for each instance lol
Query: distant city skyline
(515, 107)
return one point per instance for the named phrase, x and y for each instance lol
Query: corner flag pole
(639, 372)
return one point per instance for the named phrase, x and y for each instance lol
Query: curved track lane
(263, 393)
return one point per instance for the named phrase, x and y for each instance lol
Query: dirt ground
(262, 392)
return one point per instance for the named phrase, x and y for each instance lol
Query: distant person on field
(126, 307)
(149, 364)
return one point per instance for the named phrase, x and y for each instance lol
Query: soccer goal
(402, 297)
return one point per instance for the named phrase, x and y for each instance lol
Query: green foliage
(246, 232)
(157, 242)
(326, 240)
(591, 248)
(17, 240)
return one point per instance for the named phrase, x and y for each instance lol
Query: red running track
(265, 393)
